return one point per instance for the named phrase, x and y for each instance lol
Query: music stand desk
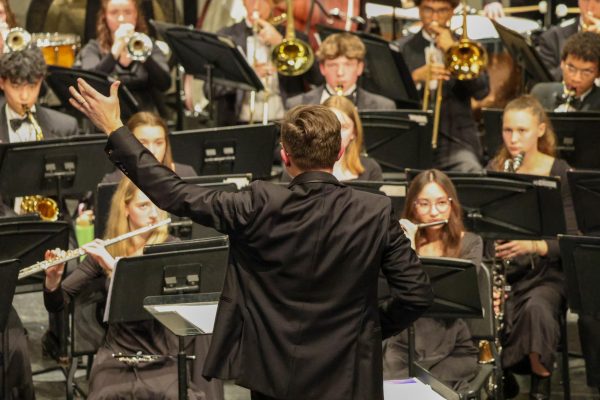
(585, 191)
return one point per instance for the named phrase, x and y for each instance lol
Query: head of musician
(131, 209)
(432, 197)
(526, 129)
(435, 14)
(116, 16)
(580, 62)
(310, 139)
(590, 13)
(351, 133)
(152, 131)
(21, 76)
(341, 61)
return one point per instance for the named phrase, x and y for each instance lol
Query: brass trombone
(292, 57)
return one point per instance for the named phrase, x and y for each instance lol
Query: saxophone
(499, 283)
(45, 207)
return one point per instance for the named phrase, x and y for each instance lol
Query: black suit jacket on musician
(54, 124)
(365, 100)
(549, 93)
(298, 316)
(457, 123)
(551, 43)
(230, 103)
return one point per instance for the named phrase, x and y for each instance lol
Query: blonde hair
(341, 45)
(118, 223)
(546, 143)
(351, 158)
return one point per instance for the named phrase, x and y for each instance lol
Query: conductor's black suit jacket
(298, 316)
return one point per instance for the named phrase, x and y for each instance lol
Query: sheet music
(411, 388)
(201, 315)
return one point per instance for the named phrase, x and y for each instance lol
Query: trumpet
(76, 253)
(139, 46)
(17, 39)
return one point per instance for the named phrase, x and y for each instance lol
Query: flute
(433, 223)
(72, 254)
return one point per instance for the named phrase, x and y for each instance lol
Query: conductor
(298, 316)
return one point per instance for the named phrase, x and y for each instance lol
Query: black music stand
(576, 132)
(181, 227)
(210, 57)
(177, 271)
(398, 139)
(386, 72)
(227, 150)
(27, 240)
(396, 191)
(524, 54)
(580, 255)
(9, 271)
(56, 167)
(60, 79)
(507, 206)
(585, 191)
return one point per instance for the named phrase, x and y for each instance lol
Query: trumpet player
(580, 66)
(537, 298)
(458, 143)
(256, 35)
(444, 347)
(341, 62)
(552, 42)
(117, 21)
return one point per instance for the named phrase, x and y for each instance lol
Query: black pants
(589, 334)
(260, 396)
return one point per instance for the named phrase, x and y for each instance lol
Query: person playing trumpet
(112, 379)
(458, 144)
(580, 66)
(552, 42)
(147, 79)
(444, 347)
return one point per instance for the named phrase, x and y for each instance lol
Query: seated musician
(444, 347)
(459, 147)
(152, 132)
(580, 66)
(537, 300)
(341, 62)
(551, 42)
(110, 378)
(147, 79)
(256, 36)
(354, 163)
(21, 76)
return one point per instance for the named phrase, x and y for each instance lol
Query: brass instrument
(17, 39)
(438, 98)
(39, 135)
(139, 46)
(541, 7)
(76, 253)
(292, 57)
(339, 90)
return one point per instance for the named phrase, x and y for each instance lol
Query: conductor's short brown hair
(311, 136)
(341, 44)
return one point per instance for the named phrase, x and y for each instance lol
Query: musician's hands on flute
(104, 112)
(98, 252)
(54, 273)
(515, 248)
(410, 230)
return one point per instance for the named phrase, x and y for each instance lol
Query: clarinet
(72, 254)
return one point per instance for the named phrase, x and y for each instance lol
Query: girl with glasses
(444, 347)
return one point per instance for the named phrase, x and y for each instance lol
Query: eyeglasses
(442, 12)
(424, 206)
(585, 73)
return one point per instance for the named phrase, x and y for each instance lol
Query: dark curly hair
(583, 45)
(23, 66)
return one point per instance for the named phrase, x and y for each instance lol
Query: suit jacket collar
(3, 124)
(315, 177)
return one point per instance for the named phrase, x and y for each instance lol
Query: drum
(59, 49)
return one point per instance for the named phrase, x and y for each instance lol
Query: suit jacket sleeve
(550, 53)
(226, 212)
(410, 290)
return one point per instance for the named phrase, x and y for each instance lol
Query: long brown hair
(118, 224)
(145, 118)
(351, 158)
(103, 35)
(452, 231)
(11, 21)
(546, 143)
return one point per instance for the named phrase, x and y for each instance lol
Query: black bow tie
(15, 123)
(352, 96)
(562, 98)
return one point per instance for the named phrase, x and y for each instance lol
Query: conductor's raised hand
(103, 111)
